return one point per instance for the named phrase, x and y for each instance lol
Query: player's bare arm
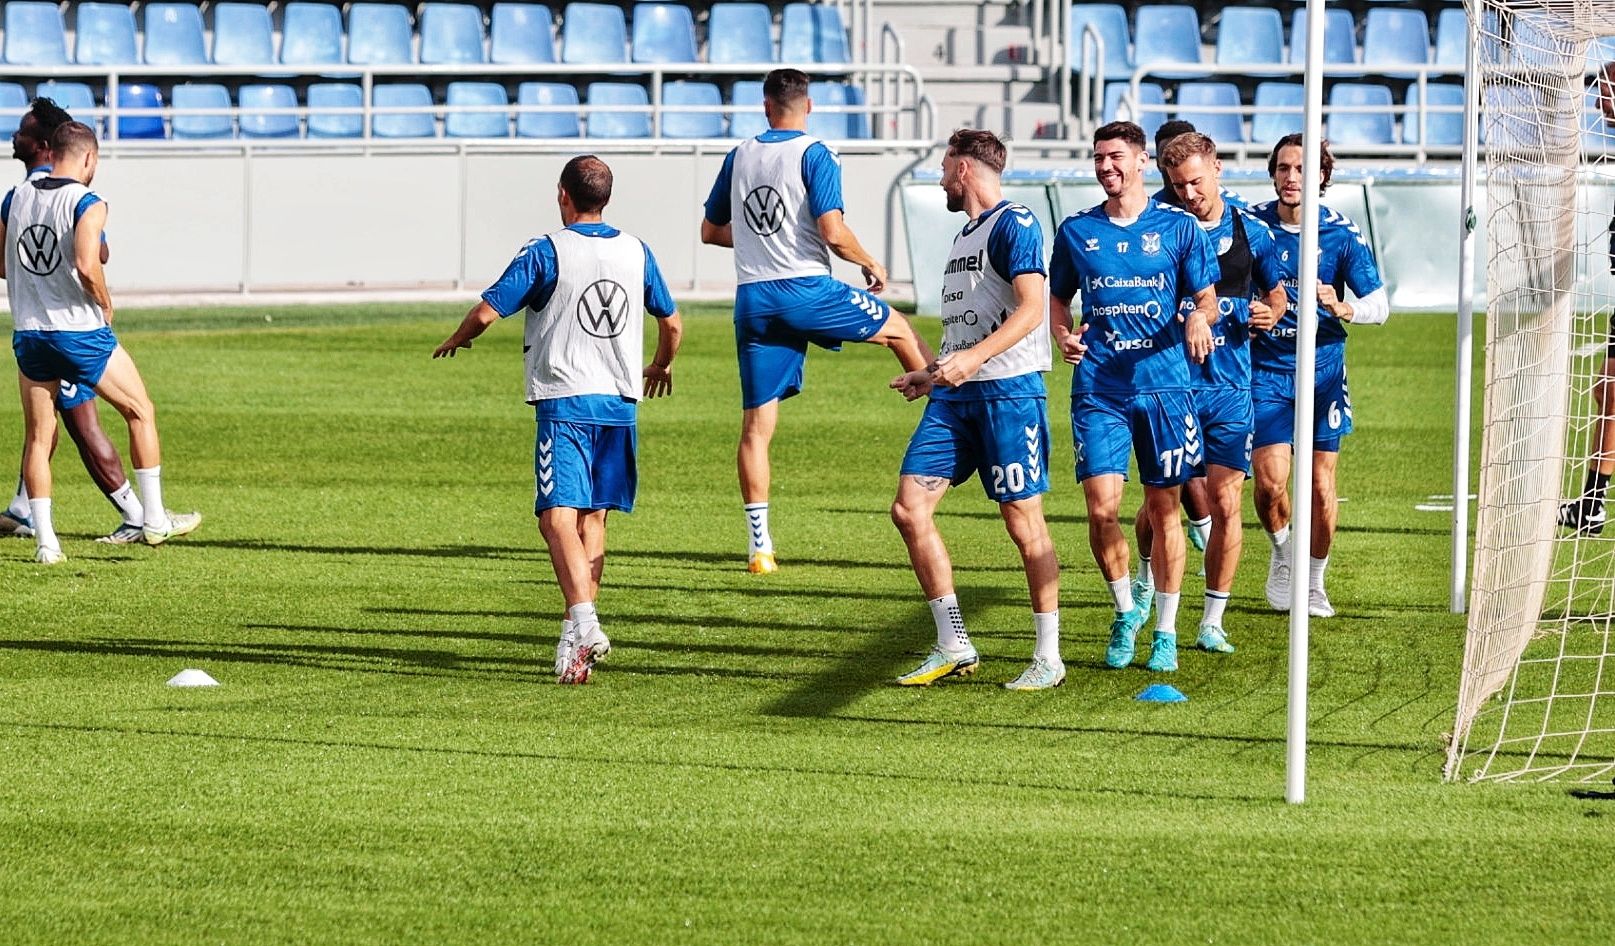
(1067, 339)
(714, 235)
(1197, 325)
(844, 243)
(659, 373)
(1266, 311)
(475, 323)
(955, 368)
(87, 253)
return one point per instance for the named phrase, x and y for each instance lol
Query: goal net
(1537, 695)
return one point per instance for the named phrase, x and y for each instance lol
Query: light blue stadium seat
(692, 124)
(740, 32)
(73, 96)
(35, 35)
(13, 105)
(242, 34)
(311, 33)
(1441, 128)
(188, 96)
(1339, 38)
(1452, 37)
(104, 34)
(477, 124)
(835, 125)
(140, 95)
(547, 124)
(379, 33)
(1218, 126)
(1168, 33)
(452, 33)
(1250, 36)
(174, 34)
(747, 92)
(593, 32)
(663, 32)
(323, 96)
(813, 33)
(1361, 128)
(261, 95)
(1276, 111)
(420, 124)
(617, 124)
(521, 33)
(1149, 93)
(1396, 36)
(1109, 20)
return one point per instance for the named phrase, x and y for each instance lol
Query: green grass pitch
(387, 760)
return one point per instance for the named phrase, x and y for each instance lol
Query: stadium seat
(1452, 37)
(73, 96)
(1109, 20)
(663, 32)
(421, 124)
(547, 124)
(1149, 93)
(618, 124)
(452, 33)
(140, 95)
(13, 103)
(593, 32)
(35, 35)
(311, 33)
(812, 33)
(1339, 38)
(1441, 128)
(740, 33)
(174, 34)
(242, 34)
(1395, 36)
(1250, 36)
(1276, 111)
(692, 124)
(210, 96)
(1169, 34)
(1360, 128)
(104, 34)
(379, 33)
(477, 124)
(258, 95)
(749, 93)
(522, 33)
(1221, 127)
(835, 126)
(323, 96)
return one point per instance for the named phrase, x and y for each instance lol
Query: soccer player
(785, 187)
(1132, 259)
(586, 289)
(76, 403)
(1167, 194)
(1247, 263)
(987, 414)
(62, 318)
(1344, 261)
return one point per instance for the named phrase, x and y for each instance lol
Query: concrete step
(1018, 121)
(992, 46)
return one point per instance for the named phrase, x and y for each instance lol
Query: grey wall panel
(931, 229)
(173, 222)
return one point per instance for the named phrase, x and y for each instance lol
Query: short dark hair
(1170, 130)
(1326, 160)
(980, 146)
(587, 180)
(48, 115)
(1124, 131)
(72, 137)
(1185, 146)
(785, 87)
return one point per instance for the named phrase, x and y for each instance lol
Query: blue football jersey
(1131, 279)
(1345, 260)
(1248, 266)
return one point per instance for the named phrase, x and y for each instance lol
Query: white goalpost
(1537, 693)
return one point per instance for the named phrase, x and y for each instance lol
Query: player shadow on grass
(429, 551)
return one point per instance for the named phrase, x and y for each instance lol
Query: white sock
(151, 497)
(44, 529)
(1318, 566)
(1202, 528)
(950, 623)
(19, 503)
(1121, 591)
(584, 613)
(1280, 539)
(1144, 574)
(124, 498)
(1216, 603)
(1166, 612)
(757, 527)
(1047, 626)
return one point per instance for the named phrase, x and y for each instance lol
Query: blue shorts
(1160, 428)
(69, 396)
(584, 466)
(772, 343)
(1273, 394)
(1227, 423)
(74, 357)
(1004, 441)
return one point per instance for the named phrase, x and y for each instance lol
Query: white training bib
(775, 234)
(590, 337)
(976, 300)
(42, 280)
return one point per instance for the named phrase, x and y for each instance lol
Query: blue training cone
(1161, 693)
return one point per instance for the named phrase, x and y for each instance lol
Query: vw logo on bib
(603, 308)
(765, 211)
(39, 250)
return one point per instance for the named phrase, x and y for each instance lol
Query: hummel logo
(868, 304)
